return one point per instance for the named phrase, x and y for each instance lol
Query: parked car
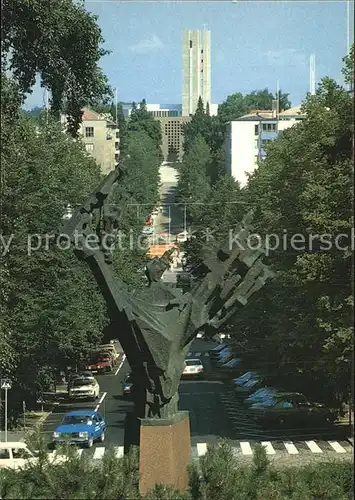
(15, 454)
(84, 388)
(243, 379)
(261, 395)
(216, 351)
(290, 408)
(110, 348)
(101, 363)
(232, 366)
(127, 385)
(252, 385)
(80, 374)
(193, 368)
(148, 230)
(225, 356)
(80, 427)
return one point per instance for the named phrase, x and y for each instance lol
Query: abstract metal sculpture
(157, 324)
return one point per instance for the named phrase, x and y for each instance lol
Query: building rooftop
(294, 111)
(91, 115)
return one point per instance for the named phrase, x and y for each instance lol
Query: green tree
(141, 120)
(60, 42)
(194, 183)
(301, 323)
(52, 311)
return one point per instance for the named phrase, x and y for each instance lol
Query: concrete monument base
(164, 452)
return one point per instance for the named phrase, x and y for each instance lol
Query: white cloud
(148, 44)
(286, 57)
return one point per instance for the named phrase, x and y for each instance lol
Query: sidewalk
(33, 421)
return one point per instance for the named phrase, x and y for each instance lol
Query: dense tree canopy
(237, 105)
(52, 312)
(298, 330)
(60, 42)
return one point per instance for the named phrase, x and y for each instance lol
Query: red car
(102, 362)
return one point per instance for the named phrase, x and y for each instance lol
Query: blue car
(265, 394)
(80, 427)
(243, 379)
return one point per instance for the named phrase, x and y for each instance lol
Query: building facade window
(89, 147)
(190, 44)
(89, 131)
(256, 129)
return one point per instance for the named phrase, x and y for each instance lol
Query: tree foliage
(300, 325)
(237, 105)
(53, 314)
(60, 42)
(141, 120)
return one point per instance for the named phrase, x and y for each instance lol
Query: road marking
(121, 364)
(79, 452)
(291, 448)
(206, 355)
(99, 453)
(246, 448)
(201, 449)
(100, 401)
(268, 447)
(198, 354)
(189, 354)
(337, 447)
(119, 451)
(312, 445)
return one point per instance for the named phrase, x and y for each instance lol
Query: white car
(147, 230)
(85, 388)
(193, 368)
(16, 454)
(109, 348)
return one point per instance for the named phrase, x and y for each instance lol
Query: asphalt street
(214, 410)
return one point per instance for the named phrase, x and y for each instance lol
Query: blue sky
(254, 44)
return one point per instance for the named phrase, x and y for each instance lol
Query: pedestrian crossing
(239, 448)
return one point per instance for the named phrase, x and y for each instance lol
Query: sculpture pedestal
(164, 452)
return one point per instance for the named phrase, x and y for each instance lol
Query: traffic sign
(6, 383)
(40, 400)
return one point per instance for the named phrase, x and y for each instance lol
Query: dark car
(262, 395)
(216, 353)
(243, 379)
(251, 386)
(289, 408)
(127, 385)
(102, 362)
(225, 356)
(232, 367)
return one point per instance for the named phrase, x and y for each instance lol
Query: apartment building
(101, 138)
(247, 137)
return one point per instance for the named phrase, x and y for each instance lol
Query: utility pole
(6, 385)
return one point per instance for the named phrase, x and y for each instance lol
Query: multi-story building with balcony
(247, 137)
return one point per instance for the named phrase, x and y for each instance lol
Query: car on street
(243, 379)
(15, 454)
(148, 230)
(290, 408)
(216, 351)
(261, 395)
(193, 368)
(127, 385)
(80, 427)
(225, 356)
(232, 367)
(102, 362)
(79, 374)
(110, 348)
(84, 388)
(252, 385)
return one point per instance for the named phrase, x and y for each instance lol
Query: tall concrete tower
(312, 74)
(196, 69)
